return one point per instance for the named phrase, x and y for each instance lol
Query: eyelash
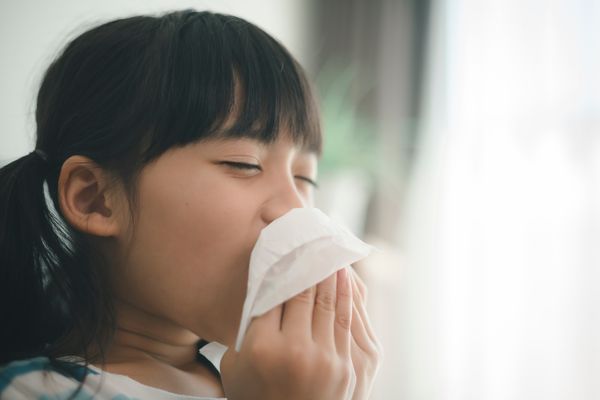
(245, 166)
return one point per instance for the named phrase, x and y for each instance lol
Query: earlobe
(86, 199)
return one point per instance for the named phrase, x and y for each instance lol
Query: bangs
(222, 77)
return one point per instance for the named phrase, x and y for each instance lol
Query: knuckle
(298, 362)
(327, 364)
(347, 373)
(344, 295)
(326, 300)
(297, 352)
(344, 320)
(372, 354)
(373, 357)
(305, 296)
(334, 368)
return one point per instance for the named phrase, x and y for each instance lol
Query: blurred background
(462, 139)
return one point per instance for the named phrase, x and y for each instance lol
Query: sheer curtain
(500, 292)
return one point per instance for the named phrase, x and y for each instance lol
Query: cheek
(189, 260)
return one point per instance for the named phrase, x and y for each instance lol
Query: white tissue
(292, 253)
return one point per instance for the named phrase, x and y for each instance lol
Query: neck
(141, 336)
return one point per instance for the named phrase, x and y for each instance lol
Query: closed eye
(303, 178)
(239, 165)
(245, 166)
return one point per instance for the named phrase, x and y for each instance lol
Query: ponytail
(43, 283)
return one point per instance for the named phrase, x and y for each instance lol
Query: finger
(343, 313)
(268, 322)
(296, 319)
(361, 309)
(358, 330)
(324, 311)
(352, 384)
(359, 285)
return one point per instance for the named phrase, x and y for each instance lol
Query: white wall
(33, 31)
(499, 293)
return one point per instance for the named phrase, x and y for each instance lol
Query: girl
(164, 145)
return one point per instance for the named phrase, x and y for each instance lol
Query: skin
(178, 274)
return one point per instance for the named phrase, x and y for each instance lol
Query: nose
(283, 198)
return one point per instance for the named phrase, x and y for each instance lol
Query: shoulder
(38, 377)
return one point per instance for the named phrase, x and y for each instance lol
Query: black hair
(122, 94)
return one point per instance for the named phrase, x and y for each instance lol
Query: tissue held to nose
(293, 253)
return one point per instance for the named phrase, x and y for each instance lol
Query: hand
(299, 350)
(366, 350)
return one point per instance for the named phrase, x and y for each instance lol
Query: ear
(87, 200)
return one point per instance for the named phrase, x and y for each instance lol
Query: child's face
(198, 220)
